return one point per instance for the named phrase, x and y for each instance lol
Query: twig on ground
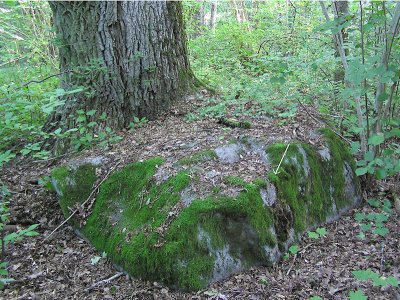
(320, 121)
(104, 281)
(291, 266)
(304, 248)
(382, 256)
(86, 201)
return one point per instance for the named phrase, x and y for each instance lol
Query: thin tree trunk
(213, 18)
(381, 87)
(339, 45)
(341, 10)
(199, 19)
(131, 57)
(239, 11)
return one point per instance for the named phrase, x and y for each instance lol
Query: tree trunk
(341, 10)
(239, 10)
(131, 58)
(213, 18)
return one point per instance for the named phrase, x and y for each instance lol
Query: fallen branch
(104, 281)
(233, 123)
(86, 201)
(292, 265)
(320, 121)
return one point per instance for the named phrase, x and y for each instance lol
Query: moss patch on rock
(147, 229)
(313, 185)
(201, 156)
(73, 184)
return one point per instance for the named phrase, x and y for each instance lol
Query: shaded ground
(61, 268)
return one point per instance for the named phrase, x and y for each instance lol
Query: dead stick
(104, 281)
(86, 201)
(292, 265)
(320, 121)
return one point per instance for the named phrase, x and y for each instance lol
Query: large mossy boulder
(157, 230)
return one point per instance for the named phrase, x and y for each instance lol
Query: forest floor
(61, 267)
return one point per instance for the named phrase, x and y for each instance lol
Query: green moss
(74, 185)
(234, 123)
(216, 189)
(309, 195)
(339, 152)
(198, 157)
(130, 208)
(234, 181)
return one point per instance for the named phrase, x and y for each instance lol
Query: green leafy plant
(94, 260)
(357, 295)
(319, 232)
(291, 251)
(9, 238)
(137, 122)
(374, 222)
(377, 280)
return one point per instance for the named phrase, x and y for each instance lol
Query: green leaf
(374, 202)
(294, 249)
(383, 281)
(359, 217)
(357, 295)
(381, 217)
(376, 139)
(387, 203)
(364, 274)
(394, 132)
(365, 227)
(315, 298)
(3, 272)
(383, 97)
(369, 156)
(371, 216)
(57, 131)
(95, 260)
(381, 231)
(103, 116)
(381, 173)
(81, 118)
(361, 171)
(313, 235)
(91, 112)
(321, 231)
(277, 79)
(361, 235)
(361, 163)
(355, 147)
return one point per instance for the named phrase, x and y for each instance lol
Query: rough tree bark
(130, 56)
(341, 10)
